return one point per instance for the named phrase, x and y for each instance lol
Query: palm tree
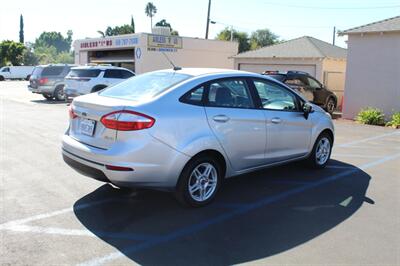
(150, 11)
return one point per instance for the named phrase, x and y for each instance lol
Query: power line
(332, 7)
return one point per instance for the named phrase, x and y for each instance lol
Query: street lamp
(230, 26)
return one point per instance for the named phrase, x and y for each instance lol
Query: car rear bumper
(159, 170)
(41, 89)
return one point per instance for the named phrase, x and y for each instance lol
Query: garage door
(260, 68)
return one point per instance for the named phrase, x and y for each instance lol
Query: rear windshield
(84, 73)
(144, 86)
(279, 77)
(37, 71)
(52, 71)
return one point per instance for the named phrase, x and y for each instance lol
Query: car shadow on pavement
(254, 216)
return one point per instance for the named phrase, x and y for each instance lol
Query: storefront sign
(161, 49)
(162, 41)
(109, 43)
(132, 41)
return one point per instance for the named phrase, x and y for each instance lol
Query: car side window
(229, 93)
(52, 71)
(7, 69)
(313, 83)
(293, 81)
(112, 74)
(126, 74)
(194, 96)
(275, 97)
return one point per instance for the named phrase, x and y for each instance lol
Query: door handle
(276, 120)
(221, 118)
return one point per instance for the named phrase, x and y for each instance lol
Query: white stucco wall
(373, 73)
(195, 53)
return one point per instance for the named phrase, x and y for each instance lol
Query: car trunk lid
(86, 127)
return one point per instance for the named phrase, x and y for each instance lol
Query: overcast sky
(288, 19)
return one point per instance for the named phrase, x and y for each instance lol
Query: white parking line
(17, 223)
(367, 139)
(50, 230)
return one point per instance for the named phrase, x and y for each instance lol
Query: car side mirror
(307, 109)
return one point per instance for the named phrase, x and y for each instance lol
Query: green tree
(241, 37)
(46, 54)
(11, 53)
(54, 39)
(261, 38)
(29, 58)
(65, 58)
(118, 30)
(150, 11)
(21, 29)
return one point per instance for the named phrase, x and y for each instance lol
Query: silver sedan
(186, 130)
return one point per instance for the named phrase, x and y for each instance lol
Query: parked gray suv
(48, 80)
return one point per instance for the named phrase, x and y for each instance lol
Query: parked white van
(16, 72)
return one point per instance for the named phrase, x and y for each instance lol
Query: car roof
(289, 72)
(57, 65)
(206, 71)
(100, 67)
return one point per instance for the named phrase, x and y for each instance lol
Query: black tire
(59, 93)
(182, 193)
(98, 88)
(48, 97)
(330, 105)
(1, 78)
(313, 160)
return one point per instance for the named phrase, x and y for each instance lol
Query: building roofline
(310, 38)
(354, 29)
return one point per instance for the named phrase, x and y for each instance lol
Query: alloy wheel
(203, 182)
(323, 151)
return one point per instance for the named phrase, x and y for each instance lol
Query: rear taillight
(43, 81)
(71, 112)
(127, 121)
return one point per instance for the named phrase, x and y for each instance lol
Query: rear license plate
(87, 127)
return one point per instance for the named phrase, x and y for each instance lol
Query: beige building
(320, 59)
(143, 52)
(373, 67)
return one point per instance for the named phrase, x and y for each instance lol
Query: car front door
(319, 93)
(239, 127)
(288, 131)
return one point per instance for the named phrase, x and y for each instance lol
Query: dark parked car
(311, 88)
(48, 80)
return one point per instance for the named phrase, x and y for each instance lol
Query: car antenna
(175, 68)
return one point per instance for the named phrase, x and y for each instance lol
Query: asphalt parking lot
(346, 214)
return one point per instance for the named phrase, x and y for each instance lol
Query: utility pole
(208, 18)
(334, 35)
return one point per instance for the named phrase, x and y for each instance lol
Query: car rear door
(300, 84)
(288, 131)
(239, 127)
(112, 76)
